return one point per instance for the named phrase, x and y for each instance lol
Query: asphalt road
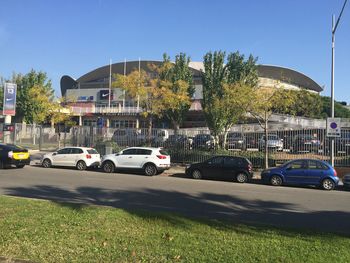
(252, 203)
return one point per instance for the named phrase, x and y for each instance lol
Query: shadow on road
(205, 205)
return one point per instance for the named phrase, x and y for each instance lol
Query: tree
(227, 90)
(33, 89)
(139, 86)
(176, 78)
(264, 103)
(339, 110)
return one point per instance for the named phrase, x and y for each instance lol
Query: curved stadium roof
(282, 74)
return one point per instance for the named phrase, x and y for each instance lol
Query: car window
(64, 151)
(143, 152)
(312, 165)
(164, 152)
(296, 165)
(130, 152)
(216, 160)
(233, 161)
(92, 151)
(76, 151)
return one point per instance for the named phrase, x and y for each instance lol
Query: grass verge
(44, 231)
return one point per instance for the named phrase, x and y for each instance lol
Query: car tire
(196, 174)
(46, 163)
(328, 184)
(108, 167)
(20, 165)
(81, 166)
(150, 169)
(241, 178)
(276, 180)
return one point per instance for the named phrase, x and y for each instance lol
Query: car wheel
(276, 180)
(20, 165)
(150, 170)
(46, 163)
(242, 178)
(328, 184)
(108, 167)
(196, 174)
(81, 165)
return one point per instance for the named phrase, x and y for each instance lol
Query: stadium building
(92, 104)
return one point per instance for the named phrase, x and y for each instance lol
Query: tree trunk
(266, 145)
(224, 143)
(149, 139)
(176, 127)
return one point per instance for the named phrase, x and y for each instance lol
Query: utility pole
(334, 28)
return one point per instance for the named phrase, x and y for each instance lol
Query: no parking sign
(333, 127)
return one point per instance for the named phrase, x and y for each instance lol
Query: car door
(75, 155)
(60, 157)
(142, 156)
(231, 166)
(127, 158)
(295, 172)
(213, 168)
(315, 171)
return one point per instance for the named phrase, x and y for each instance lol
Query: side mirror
(54, 154)
(289, 168)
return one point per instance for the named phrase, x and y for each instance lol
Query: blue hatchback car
(302, 172)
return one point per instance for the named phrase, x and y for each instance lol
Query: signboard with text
(333, 127)
(9, 106)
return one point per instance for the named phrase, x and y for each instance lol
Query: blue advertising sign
(9, 106)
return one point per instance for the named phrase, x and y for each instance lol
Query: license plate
(20, 156)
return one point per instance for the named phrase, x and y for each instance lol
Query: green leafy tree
(33, 89)
(339, 110)
(177, 79)
(264, 103)
(140, 87)
(227, 90)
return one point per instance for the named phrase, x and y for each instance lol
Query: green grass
(44, 231)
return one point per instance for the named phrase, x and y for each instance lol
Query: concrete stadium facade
(89, 94)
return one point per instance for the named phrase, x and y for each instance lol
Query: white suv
(79, 157)
(151, 161)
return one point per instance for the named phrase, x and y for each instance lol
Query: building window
(123, 124)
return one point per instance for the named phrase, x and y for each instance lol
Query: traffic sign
(333, 127)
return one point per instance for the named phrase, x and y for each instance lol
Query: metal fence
(190, 145)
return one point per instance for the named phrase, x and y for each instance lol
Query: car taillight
(161, 156)
(88, 156)
(10, 154)
(335, 173)
(250, 167)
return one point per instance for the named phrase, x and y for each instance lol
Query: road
(251, 203)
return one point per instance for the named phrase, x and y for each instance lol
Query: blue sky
(73, 37)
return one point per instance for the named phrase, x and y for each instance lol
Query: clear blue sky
(73, 37)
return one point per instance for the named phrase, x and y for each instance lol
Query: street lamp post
(334, 28)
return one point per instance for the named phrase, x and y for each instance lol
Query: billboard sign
(9, 106)
(333, 127)
(104, 94)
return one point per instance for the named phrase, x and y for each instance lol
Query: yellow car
(13, 155)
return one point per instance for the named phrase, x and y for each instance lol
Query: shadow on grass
(223, 207)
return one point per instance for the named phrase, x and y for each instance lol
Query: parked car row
(295, 172)
(153, 161)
